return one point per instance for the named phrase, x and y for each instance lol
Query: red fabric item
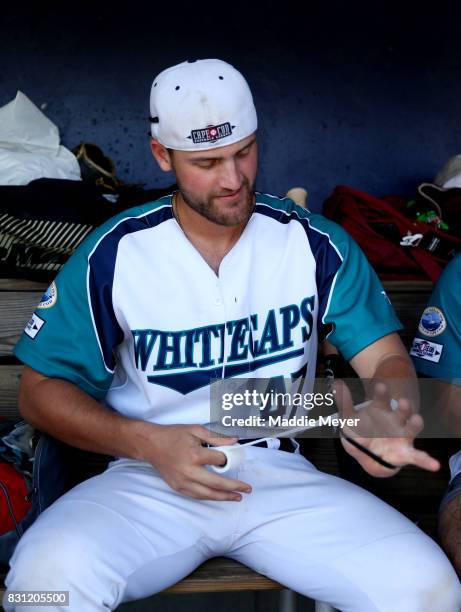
(369, 220)
(13, 484)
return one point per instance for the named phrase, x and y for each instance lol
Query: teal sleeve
(356, 305)
(60, 339)
(436, 349)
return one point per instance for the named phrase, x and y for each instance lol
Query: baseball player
(436, 353)
(214, 281)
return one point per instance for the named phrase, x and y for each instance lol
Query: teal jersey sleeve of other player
(73, 331)
(436, 349)
(357, 306)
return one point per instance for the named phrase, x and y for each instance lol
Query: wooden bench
(412, 491)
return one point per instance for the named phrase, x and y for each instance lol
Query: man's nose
(231, 177)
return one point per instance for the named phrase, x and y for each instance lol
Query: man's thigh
(330, 540)
(122, 535)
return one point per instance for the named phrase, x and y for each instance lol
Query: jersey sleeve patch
(430, 351)
(432, 322)
(34, 325)
(50, 297)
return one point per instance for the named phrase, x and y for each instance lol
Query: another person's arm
(436, 353)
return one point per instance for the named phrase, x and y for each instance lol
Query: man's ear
(161, 155)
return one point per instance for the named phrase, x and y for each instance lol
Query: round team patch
(49, 297)
(432, 322)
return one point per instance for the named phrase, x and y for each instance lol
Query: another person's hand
(386, 433)
(177, 453)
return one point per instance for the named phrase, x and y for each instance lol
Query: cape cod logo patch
(34, 326)
(211, 133)
(432, 322)
(49, 297)
(431, 351)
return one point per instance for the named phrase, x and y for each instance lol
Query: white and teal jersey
(137, 317)
(436, 350)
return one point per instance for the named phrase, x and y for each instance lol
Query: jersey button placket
(218, 297)
(219, 302)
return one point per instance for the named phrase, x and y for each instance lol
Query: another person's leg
(450, 515)
(330, 540)
(122, 535)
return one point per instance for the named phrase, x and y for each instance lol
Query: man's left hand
(387, 433)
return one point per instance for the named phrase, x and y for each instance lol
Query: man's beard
(229, 215)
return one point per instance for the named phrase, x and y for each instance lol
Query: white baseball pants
(125, 534)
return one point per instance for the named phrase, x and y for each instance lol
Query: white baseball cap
(200, 105)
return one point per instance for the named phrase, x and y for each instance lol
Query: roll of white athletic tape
(234, 456)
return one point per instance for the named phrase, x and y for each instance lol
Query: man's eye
(244, 152)
(205, 165)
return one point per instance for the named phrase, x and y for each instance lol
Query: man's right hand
(61, 409)
(177, 453)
